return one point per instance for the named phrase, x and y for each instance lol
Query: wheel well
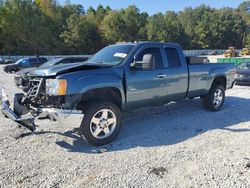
(110, 94)
(221, 80)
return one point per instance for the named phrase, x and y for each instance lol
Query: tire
(6, 69)
(214, 100)
(96, 127)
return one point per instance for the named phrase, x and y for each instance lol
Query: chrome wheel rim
(103, 124)
(218, 98)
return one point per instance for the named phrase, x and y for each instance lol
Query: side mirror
(147, 63)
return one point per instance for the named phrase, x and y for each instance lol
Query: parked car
(20, 77)
(122, 77)
(243, 74)
(9, 61)
(25, 63)
(6, 61)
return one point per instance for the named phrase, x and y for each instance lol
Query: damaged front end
(26, 120)
(36, 105)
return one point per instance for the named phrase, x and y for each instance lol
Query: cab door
(147, 87)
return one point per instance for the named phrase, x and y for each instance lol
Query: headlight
(56, 86)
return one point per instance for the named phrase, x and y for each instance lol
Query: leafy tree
(166, 28)
(113, 27)
(156, 27)
(244, 10)
(80, 34)
(46, 27)
(134, 23)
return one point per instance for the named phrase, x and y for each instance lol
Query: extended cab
(92, 95)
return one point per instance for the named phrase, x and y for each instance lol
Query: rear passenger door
(177, 73)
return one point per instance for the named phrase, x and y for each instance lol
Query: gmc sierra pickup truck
(92, 95)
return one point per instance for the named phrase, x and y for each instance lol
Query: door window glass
(25, 63)
(155, 57)
(173, 57)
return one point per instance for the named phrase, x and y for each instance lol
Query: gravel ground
(177, 145)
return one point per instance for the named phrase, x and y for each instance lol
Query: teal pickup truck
(93, 94)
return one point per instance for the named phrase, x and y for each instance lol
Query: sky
(155, 6)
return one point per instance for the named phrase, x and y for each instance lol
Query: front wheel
(101, 123)
(214, 100)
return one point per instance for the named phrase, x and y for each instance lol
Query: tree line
(29, 27)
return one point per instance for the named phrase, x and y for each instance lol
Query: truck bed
(200, 81)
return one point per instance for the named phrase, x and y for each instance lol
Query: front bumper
(66, 118)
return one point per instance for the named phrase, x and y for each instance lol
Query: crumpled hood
(65, 68)
(24, 71)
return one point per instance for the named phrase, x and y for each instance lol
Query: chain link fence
(186, 52)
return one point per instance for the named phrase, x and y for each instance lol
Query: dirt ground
(176, 145)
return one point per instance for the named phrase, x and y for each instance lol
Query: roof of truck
(146, 42)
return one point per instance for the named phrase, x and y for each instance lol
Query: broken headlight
(56, 86)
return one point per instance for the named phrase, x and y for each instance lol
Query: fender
(81, 82)
(216, 73)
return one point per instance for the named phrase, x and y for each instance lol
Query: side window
(75, 60)
(65, 61)
(33, 60)
(42, 60)
(173, 58)
(155, 58)
(25, 63)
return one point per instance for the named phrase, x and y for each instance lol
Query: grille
(35, 85)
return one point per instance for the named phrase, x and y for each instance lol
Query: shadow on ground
(167, 125)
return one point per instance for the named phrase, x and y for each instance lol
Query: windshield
(111, 55)
(23, 62)
(244, 66)
(20, 60)
(51, 62)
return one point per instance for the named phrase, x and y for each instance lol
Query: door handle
(161, 75)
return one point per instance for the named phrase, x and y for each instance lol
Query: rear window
(173, 57)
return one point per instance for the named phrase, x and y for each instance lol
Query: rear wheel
(214, 100)
(101, 123)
